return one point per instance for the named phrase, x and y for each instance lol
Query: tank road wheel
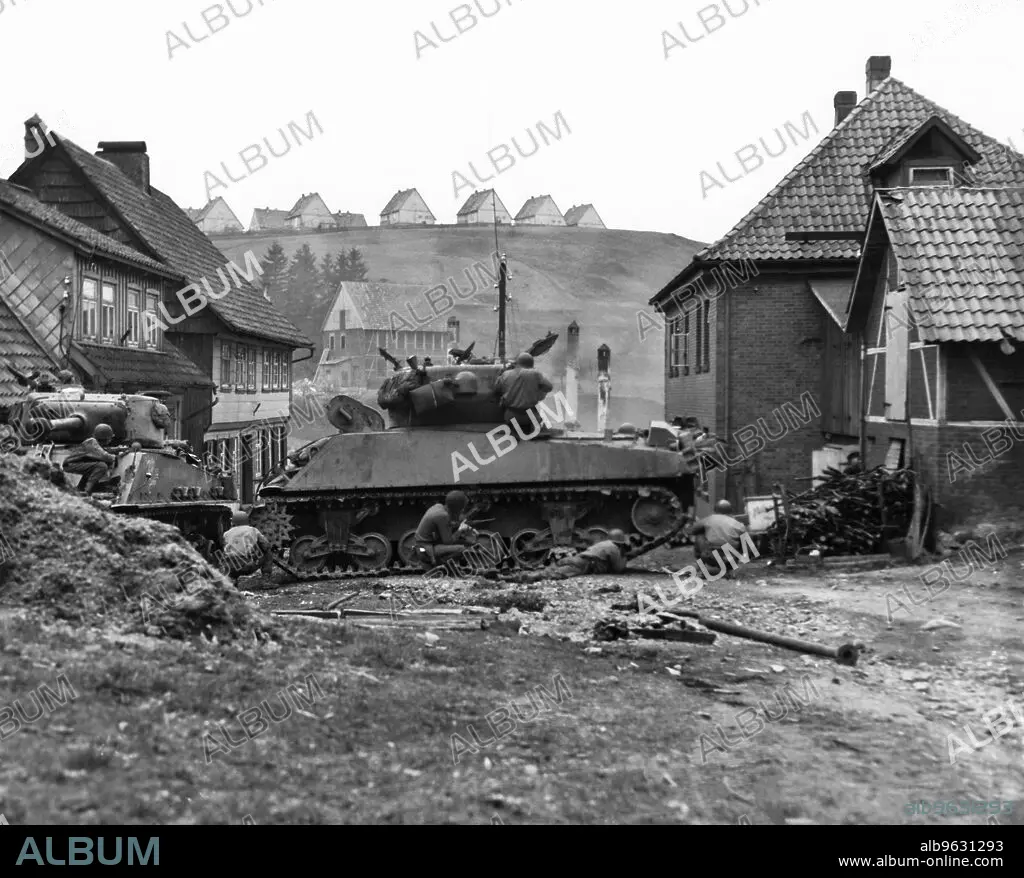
(273, 521)
(369, 551)
(658, 513)
(530, 547)
(302, 556)
(407, 549)
(489, 549)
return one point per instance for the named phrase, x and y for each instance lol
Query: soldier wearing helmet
(711, 534)
(519, 390)
(606, 556)
(442, 535)
(91, 459)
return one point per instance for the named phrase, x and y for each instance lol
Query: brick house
(310, 212)
(481, 208)
(540, 210)
(755, 347)
(72, 298)
(941, 326)
(235, 336)
(266, 219)
(405, 208)
(584, 216)
(359, 322)
(216, 218)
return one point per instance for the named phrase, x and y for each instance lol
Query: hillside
(600, 278)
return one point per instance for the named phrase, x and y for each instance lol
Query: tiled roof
(304, 202)
(476, 201)
(21, 350)
(533, 206)
(374, 303)
(961, 259)
(903, 140)
(829, 189)
(23, 203)
(351, 220)
(166, 368)
(168, 232)
(269, 218)
(397, 200)
(574, 214)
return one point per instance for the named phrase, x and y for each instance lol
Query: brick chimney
(845, 101)
(878, 69)
(130, 156)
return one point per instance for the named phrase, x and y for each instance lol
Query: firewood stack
(848, 514)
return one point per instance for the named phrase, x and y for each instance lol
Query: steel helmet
(103, 433)
(617, 536)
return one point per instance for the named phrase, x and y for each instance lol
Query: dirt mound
(63, 553)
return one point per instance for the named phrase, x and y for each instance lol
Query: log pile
(847, 514)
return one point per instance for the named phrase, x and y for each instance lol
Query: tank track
(640, 545)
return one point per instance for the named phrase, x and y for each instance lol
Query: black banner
(987, 848)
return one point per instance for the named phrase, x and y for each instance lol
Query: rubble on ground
(74, 559)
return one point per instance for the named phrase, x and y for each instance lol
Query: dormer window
(931, 176)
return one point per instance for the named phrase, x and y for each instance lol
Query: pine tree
(328, 277)
(341, 266)
(356, 269)
(303, 283)
(275, 270)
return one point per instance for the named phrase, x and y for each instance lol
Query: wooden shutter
(897, 350)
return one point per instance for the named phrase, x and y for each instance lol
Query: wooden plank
(896, 362)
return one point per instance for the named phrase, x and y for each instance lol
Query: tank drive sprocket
(275, 523)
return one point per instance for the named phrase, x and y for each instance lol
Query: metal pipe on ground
(847, 654)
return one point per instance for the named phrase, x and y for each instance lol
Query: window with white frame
(275, 366)
(89, 306)
(330, 342)
(676, 345)
(132, 314)
(226, 359)
(931, 176)
(152, 329)
(108, 312)
(250, 372)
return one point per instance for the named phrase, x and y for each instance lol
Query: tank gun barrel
(74, 424)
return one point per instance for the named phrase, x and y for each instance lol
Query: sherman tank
(154, 477)
(353, 500)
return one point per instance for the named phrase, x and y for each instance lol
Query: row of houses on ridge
(310, 212)
(873, 300)
(406, 208)
(91, 253)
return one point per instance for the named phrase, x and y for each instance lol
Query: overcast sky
(401, 111)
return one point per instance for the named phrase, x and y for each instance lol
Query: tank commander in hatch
(519, 390)
(91, 459)
(442, 535)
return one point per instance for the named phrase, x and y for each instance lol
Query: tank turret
(153, 477)
(71, 416)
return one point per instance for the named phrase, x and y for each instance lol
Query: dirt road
(438, 726)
